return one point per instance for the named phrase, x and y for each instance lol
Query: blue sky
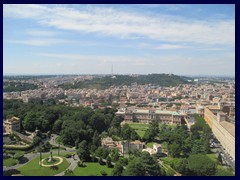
(88, 39)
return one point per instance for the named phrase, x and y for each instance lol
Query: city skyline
(135, 39)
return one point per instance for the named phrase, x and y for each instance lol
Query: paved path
(72, 165)
(53, 142)
(30, 156)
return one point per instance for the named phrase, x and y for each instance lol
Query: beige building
(124, 147)
(132, 146)
(147, 116)
(10, 125)
(223, 130)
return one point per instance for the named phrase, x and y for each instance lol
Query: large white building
(147, 116)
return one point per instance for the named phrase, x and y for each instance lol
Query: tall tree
(201, 165)
(82, 151)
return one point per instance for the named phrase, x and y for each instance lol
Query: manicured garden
(34, 169)
(139, 126)
(9, 162)
(140, 133)
(92, 169)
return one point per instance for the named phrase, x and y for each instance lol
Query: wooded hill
(120, 80)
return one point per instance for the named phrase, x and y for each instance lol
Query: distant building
(10, 125)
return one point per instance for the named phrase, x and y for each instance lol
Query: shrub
(80, 164)
(100, 161)
(12, 147)
(18, 155)
(11, 172)
(68, 155)
(103, 173)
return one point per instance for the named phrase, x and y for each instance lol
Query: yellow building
(223, 130)
(10, 125)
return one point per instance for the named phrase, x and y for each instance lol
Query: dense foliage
(120, 80)
(17, 86)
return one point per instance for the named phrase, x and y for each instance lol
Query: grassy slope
(91, 169)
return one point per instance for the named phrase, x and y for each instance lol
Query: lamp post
(58, 148)
(40, 151)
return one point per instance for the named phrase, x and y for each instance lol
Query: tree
(154, 128)
(116, 121)
(114, 154)
(126, 132)
(143, 165)
(36, 140)
(96, 139)
(109, 162)
(29, 121)
(174, 150)
(151, 165)
(148, 136)
(97, 122)
(201, 165)
(117, 169)
(103, 173)
(47, 145)
(57, 127)
(134, 168)
(82, 151)
(180, 165)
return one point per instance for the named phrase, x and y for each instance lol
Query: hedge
(11, 147)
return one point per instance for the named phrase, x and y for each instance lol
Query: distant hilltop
(120, 80)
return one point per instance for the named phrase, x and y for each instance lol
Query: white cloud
(111, 22)
(41, 33)
(170, 46)
(39, 42)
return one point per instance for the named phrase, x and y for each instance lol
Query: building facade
(147, 116)
(223, 130)
(11, 125)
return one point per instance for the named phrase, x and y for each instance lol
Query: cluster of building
(145, 103)
(125, 147)
(36, 94)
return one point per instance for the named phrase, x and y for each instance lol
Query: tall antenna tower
(112, 69)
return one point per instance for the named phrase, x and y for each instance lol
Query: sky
(135, 39)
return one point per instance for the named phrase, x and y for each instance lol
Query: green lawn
(91, 169)
(33, 168)
(9, 162)
(150, 144)
(140, 133)
(139, 126)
